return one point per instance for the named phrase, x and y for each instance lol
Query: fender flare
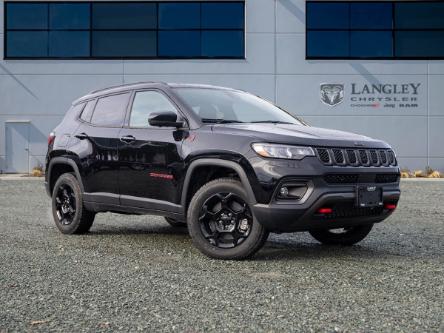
(220, 163)
(66, 161)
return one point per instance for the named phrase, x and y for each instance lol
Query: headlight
(282, 151)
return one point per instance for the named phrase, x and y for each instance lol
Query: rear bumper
(288, 217)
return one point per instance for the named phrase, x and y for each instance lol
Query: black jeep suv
(230, 166)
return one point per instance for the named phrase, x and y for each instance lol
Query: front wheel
(342, 236)
(221, 223)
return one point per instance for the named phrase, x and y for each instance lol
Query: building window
(125, 30)
(375, 30)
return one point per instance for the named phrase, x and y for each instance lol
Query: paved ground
(138, 273)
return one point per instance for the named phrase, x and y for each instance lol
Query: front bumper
(287, 217)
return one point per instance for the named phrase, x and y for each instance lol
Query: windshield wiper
(271, 122)
(220, 121)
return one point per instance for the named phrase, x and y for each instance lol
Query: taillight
(51, 138)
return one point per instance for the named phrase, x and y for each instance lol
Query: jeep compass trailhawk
(228, 165)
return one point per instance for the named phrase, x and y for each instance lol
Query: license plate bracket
(368, 196)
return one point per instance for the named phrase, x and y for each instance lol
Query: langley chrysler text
(230, 166)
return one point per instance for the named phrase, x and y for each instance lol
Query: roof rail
(123, 85)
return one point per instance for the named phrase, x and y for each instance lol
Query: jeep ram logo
(332, 94)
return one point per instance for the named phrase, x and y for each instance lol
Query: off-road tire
(82, 219)
(256, 238)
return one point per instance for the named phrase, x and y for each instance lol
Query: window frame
(91, 57)
(96, 101)
(179, 112)
(393, 31)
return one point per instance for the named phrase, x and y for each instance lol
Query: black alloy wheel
(65, 204)
(225, 220)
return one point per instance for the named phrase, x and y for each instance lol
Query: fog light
(283, 191)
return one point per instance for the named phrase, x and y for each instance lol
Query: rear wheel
(342, 236)
(174, 223)
(70, 216)
(221, 223)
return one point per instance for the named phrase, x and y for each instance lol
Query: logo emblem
(332, 94)
(371, 188)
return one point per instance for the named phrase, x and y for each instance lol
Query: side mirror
(164, 119)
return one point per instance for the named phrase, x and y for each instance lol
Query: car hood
(297, 134)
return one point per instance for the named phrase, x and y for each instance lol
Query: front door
(17, 147)
(150, 157)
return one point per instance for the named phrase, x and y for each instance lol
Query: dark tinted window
(88, 111)
(124, 43)
(27, 15)
(68, 43)
(371, 16)
(27, 44)
(426, 15)
(110, 110)
(124, 15)
(179, 43)
(386, 29)
(69, 16)
(419, 44)
(145, 103)
(222, 43)
(223, 15)
(371, 44)
(179, 15)
(324, 15)
(118, 29)
(328, 43)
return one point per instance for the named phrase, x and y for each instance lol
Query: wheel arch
(217, 163)
(58, 166)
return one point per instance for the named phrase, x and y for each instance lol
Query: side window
(110, 110)
(145, 103)
(87, 111)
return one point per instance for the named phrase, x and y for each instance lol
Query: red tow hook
(325, 210)
(390, 206)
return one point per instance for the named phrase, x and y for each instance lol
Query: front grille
(357, 157)
(353, 178)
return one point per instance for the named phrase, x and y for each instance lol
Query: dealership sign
(380, 95)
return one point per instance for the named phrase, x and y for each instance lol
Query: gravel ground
(138, 273)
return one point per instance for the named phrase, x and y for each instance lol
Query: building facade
(367, 67)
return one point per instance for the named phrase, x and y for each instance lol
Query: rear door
(98, 140)
(151, 160)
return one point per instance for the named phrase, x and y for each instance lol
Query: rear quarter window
(110, 110)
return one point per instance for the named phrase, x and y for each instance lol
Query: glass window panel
(326, 44)
(145, 103)
(417, 15)
(69, 16)
(110, 110)
(371, 44)
(419, 44)
(179, 15)
(223, 15)
(27, 15)
(87, 112)
(223, 44)
(124, 43)
(371, 15)
(179, 43)
(27, 44)
(124, 16)
(69, 43)
(327, 15)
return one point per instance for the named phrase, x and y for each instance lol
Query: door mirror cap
(164, 119)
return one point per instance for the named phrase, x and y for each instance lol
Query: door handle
(82, 136)
(127, 139)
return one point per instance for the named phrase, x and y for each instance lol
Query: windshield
(229, 106)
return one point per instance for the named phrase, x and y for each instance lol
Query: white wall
(275, 68)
